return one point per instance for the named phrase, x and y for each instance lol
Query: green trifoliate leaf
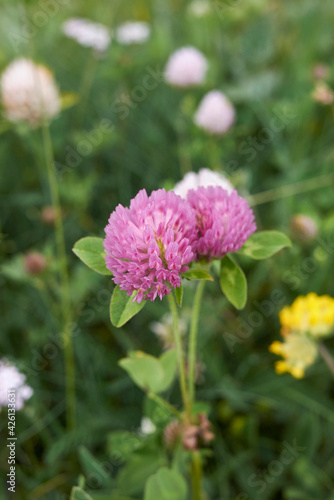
(91, 251)
(166, 484)
(122, 307)
(150, 373)
(233, 282)
(264, 244)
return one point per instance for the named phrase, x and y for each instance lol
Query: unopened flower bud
(320, 71)
(303, 227)
(34, 263)
(172, 433)
(190, 437)
(48, 215)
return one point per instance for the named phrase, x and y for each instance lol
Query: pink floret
(224, 221)
(150, 244)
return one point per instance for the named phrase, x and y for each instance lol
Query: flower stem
(179, 353)
(63, 271)
(196, 476)
(193, 341)
(326, 355)
(164, 404)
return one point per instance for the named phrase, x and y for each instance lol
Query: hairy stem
(164, 404)
(179, 353)
(196, 476)
(64, 279)
(193, 341)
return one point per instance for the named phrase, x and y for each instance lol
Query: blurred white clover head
(186, 67)
(12, 379)
(164, 329)
(133, 32)
(88, 33)
(29, 92)
(199, 8)
(215, 113)
(204, 178)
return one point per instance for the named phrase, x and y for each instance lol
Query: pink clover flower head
(224, 221)
(150, 244)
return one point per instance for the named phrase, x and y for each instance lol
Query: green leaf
(179, 295)
(91, 466)
(79, 494)
(166, 484)
(168, 361)
(91, 251)
(122, 444)
(122, 307)
(197, 274)
(233, 282)
(145, 370)
(150, 373)
(264, 244)
(133, 476)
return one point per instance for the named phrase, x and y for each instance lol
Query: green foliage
(122, 307)
(91, 251)
(166, 485)
(262, 55)
(233, 282)
(264, 244)
(197, 274)
(79, 494)
(179, 295)
(150, 373)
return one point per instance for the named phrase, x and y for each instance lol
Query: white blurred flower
(199, 8)
(164, 329)
(11, 378)
(88, 33)
(147, 426)
(203, 178)
(186, 67)
(215, 113)
(29, 92)
(133, 32)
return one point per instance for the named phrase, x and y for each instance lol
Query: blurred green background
(263, 55)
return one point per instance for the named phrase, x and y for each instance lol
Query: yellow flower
(298, 351)
(312, 314)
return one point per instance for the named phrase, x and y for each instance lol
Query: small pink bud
(48, 215)
(34, 263)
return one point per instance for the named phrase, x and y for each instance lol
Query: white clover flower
(133, 32)
(164, 329)
(199, 8)
(215, 113)
(186, 67)
(147, 426)
(11, 378)
(203, 178)
(88, 33)
(29, 92)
